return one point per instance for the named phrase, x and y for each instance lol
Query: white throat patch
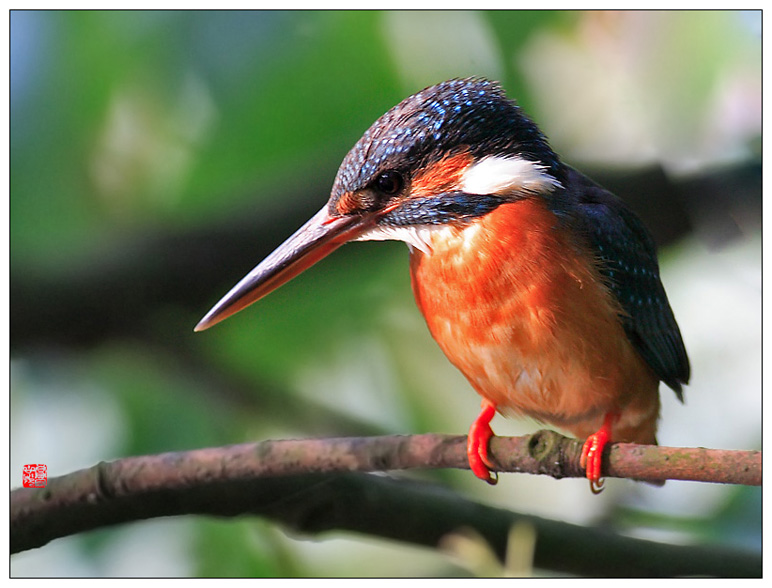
(417, 236)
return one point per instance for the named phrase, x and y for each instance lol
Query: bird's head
(446, 155)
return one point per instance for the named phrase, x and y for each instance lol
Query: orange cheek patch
(348, 203)
(442, 176)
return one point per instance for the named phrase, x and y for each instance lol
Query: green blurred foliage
(124, 123)
(243, 549)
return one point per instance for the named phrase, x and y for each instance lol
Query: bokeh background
(157, 156)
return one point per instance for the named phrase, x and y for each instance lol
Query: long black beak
(316, 239)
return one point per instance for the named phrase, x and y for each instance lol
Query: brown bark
(141, 487)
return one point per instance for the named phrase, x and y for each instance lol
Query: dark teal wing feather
(627, 258)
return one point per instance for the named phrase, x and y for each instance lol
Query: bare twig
(88, 498)
(547, 452)
(399, 509)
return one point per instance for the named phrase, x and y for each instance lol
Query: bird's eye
(389, 182)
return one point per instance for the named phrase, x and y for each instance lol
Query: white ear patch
(507, 175)
(501, 176)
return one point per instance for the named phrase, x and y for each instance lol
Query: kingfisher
(540, 286)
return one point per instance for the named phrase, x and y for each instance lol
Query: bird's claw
(477, 451)
(477, 445)
(592, 454)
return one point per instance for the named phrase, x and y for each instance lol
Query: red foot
(480, 434)
(592, 453)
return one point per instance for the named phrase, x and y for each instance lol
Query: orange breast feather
(521, 310)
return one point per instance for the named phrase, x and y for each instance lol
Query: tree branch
(210, 481)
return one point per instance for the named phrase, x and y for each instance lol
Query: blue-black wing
(627, 259)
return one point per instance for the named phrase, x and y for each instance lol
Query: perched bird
(540, 286)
